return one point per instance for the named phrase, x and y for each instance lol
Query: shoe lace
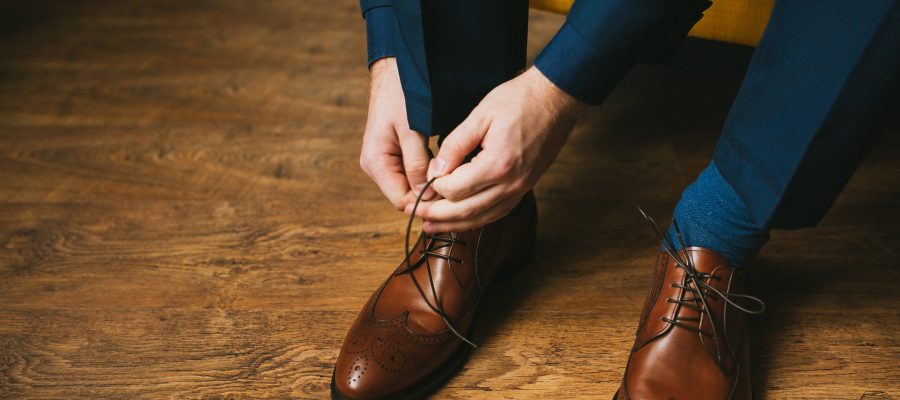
(695, 284)
(431, 244)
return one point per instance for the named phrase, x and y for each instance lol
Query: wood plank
(182, 215)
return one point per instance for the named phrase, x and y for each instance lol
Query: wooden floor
(182, 215)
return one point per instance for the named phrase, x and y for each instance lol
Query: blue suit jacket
(823, 78)
(451, 53)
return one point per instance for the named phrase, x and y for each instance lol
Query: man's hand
(521, 126)
(394, 156)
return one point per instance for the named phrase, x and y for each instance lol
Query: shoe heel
(512, 266)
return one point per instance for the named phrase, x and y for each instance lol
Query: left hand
(521, 126)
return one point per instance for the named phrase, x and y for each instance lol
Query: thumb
(457, 145)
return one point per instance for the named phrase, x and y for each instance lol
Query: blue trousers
(817, 91)
(813, 99)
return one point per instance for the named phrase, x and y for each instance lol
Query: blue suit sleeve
(380, 30)
(366, 5)
(601, 40)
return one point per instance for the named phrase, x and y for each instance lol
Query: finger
(469, 178)
(459, 211)
(386, 170)
(415, 161)
(394, 187)
(491, 215)
(458, 144)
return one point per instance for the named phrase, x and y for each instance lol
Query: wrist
(552, 94)
(380, 66)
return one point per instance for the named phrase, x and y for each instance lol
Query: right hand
(393, 156)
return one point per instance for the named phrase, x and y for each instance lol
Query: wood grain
(182, 216)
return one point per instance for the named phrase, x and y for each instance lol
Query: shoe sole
(752, 395)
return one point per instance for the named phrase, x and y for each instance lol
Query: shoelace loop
(431, 250)
(699, 289)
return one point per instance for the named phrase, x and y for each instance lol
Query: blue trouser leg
(450, 54)
(812, 101)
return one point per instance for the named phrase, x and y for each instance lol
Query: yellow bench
(732, 21)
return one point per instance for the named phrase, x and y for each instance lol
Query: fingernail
(436, 167)
(419, 188)
(408, 208)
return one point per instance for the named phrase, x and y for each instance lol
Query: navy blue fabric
(451, 53)
(644, 30)
(410, 47)
(366, 5)
(574, 65)
(602, 40)
(710, 214)
(380, 30)
(812, 101)
(386, 37)
(471, 47)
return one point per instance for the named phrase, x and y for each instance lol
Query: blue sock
(710, 214)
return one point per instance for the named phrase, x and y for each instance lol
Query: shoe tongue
(729, 280)
(446, 235)
(705, 260)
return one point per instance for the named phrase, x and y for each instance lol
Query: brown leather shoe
(692, 338)
(409, 338)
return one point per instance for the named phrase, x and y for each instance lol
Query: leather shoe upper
(692, 337)
(401, 336)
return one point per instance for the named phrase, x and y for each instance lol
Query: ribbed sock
(710, 214)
